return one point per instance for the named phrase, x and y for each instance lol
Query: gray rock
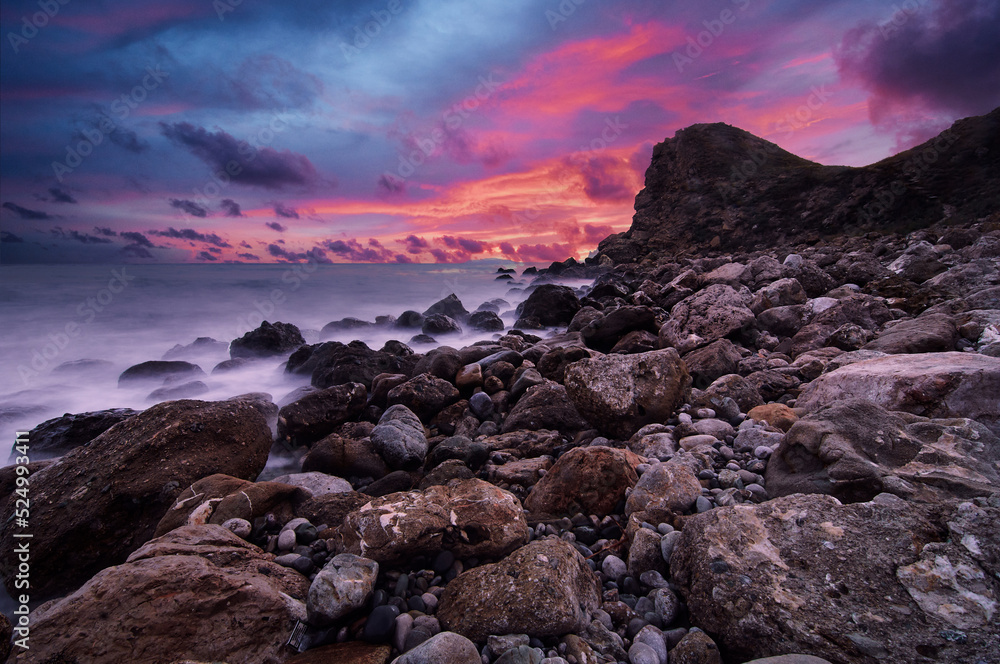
(443, 647)
(481, 405)
(318, 484)
(239, 527)
(667, 605)
(654, 639)
(614, 567)
(520, 655)
(640, 653)
(399, 438)
(343, 585)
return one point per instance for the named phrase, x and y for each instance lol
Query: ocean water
(121, 315)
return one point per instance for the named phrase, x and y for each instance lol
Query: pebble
(762, 451)
(430, 601)
(239, 527)
(286, 540)
(404, 625)
(614, 567)
(703, 504)
(684, 418)
(667, 543)
(381, 624)
(520, 655)
(654, 639)
(667, 605)
(640, 653)
(704, 413)
(481, 405)
(498, 645)
(653, 579)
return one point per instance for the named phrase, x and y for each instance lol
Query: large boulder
(927, 334)
(545, 406)
(333, 363)
(426, 395)
(592, 480)
(318, 414)
(717, 359)
(59, 435)
(712, 313)
(345, 457)
(920, 582)
(856, 449)
(467, 517)
(450, 306)
(927, 384)
(619, 394)
(442, 647)
(399, 438)
(543, 589)
(266, 341)
(549, 305)
(200, 593)
(664, 489)
(604, 333)
(100, 502)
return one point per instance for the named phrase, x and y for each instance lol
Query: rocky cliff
(713, 186)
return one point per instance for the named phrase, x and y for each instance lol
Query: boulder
(266, 341)
(344, 585)
(619, 394)
(59, 435)
(99, 502)
(333, 363)
(855, 450)
(467, 517)
(927, 384)
(781, 293)
(545, 406)
(731, 386)
(637, 341)
(399, 438)
(189, 390)
(927, 334)
(553, 363)
(486, 321)
(318, 414)
(440, 324)
(199, 593)
(717, 359)
(591, 480)
(780, 577)
(550, 305)
(664, 488)
(158, 371)
(425, 395)
(542, 589)
(777, 415)
(712, 313)
(604, 333)
(315, 483)
(450, 306)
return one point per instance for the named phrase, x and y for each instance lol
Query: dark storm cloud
(249, 257)
(415, 245)
(205, 256)
(352, 250)
(245, 164)
(189, 207)
(231, 208)
(465, 244)
(60, 196)
(192, 235)
(944, 54)
(314, 255)
(25, 213)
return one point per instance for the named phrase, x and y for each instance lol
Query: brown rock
(319, 413)
(468, 517)
(666, 487)
(710, 362)
(542, 589)
(344, 457)
(591, 480)
(619, 394)
(777, 415)
(696, 647)
(711, 313)
(927, 334)
(545, 406)
(330, 509)
(199, 593)
(100, 502)
(352, 652)
(733, 386)
(426, 395)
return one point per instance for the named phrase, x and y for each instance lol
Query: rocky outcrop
(100, 502)
(920, 581)
(199, 593)
(713, 186)
(543, 589)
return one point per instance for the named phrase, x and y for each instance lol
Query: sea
(68, 331)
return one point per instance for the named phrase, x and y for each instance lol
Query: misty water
(55, 316)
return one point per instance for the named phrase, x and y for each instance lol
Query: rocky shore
(785, 455)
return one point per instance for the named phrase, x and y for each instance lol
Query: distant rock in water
(268, 339)
(199, 346)
(713, 186)
(59, 435)
(157, 371)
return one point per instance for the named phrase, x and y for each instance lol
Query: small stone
(239, 527)
(614, 567)
(667, 543)
(381, 624)
(762, 451)
(500, 644)
(520, 655)
(703, 504)
(286, 540)
(640, 653)
(404, 625)
(444, 647)
(430, 601)
(481, 405)
(344, 585)
(653, 579)
(667, 605)
(653, 637)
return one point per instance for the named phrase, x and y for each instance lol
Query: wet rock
(189, 390)
(266, 341)
(928, 384)
(318, 414)
(343, 586)
(764, 579)
(542, 589)
(333, 363)
(450, 306)
(545, 406)
(399, 438)
(591, 480)
(141, 610)
(59, 435)
(158, 371)
(486, 321)
(620, 394)
(712, 313)
(604, 333)
(100, 502)
(696, 647)
(732, 386)
(550, 305)
(781, 293)
(425, 395)
(468, 517)
(553, 363)
(317, 484)
(439, 324)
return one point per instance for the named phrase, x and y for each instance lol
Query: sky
(211, 131)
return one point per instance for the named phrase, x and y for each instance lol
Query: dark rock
(344, 325)
(394, 482)
(267, 340)
(333, 363)
(486, 321)
(639, 341)
(712, 313)
(200, 346)
(157, 371)
(409, 320)
(450, 306)
(344, 457)
(195, 388)
(713, 361)
(318, 414)
(927, 334)
(603, 333)
(440, 324)
(426, 395)
(399, 438)
(59, 435)
(545, 406)
(549, 305)
(591, 480)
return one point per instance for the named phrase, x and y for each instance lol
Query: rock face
(319, 413)
(267, 340)
(467, 517)
(619, 394)
(399, 438)
(919, 580)
(713, 185)
(59, 435)
(98, 503)
(928, 384)
(591, 480)
(543, 589)
(856, 450)
(200, 593)
(712, 313)
(550, 304)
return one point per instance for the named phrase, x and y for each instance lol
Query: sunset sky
(433, 131)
